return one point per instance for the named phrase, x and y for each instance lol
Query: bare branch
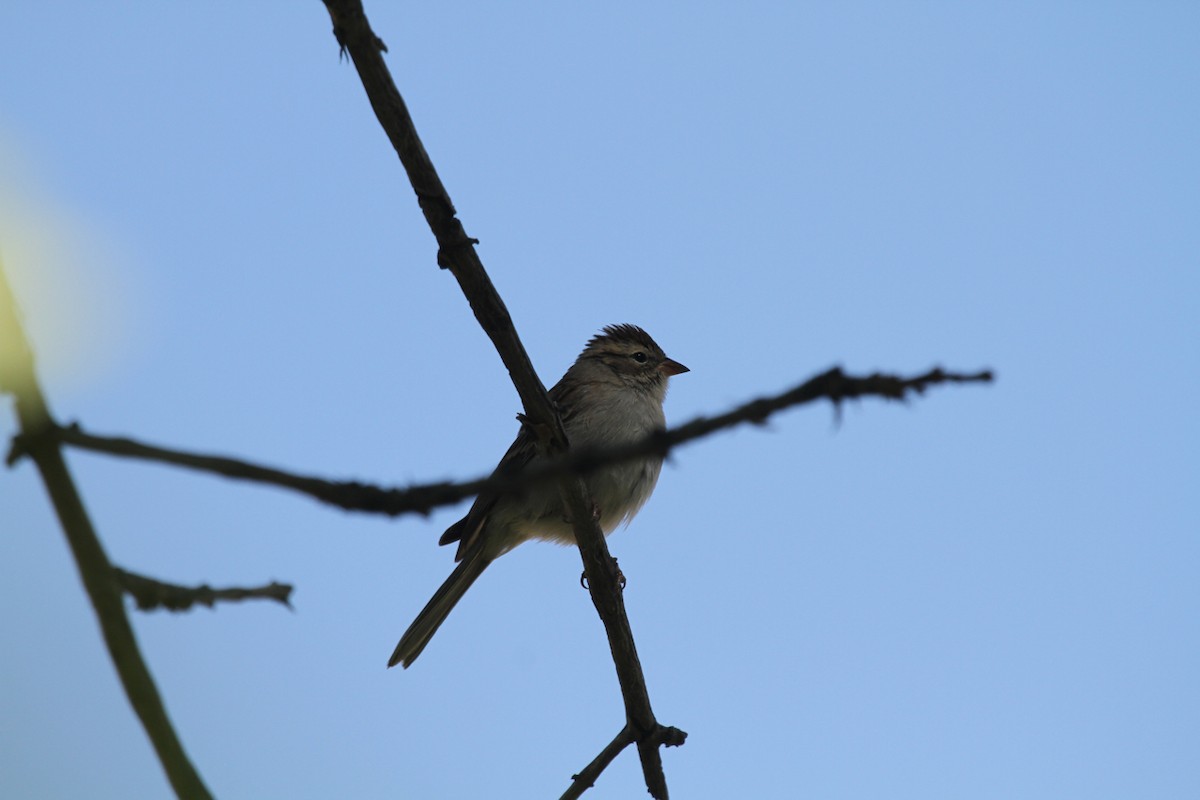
(456, 252)
(150, 594)
(349, 495)
(833, 385)
(17, 377)
(586, 779)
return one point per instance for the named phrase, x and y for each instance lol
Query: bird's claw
(621, 581)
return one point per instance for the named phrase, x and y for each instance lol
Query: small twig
(150, 593)
(586, 778)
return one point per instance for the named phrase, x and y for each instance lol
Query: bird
(612, 395)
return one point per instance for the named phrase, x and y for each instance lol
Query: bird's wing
(522, 451)
(467, 529)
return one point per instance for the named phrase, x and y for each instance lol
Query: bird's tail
(438, 608)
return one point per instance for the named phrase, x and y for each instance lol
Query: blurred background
(989, 592)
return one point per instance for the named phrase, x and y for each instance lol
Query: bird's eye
(639, 357)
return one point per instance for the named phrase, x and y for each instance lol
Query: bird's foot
(583, 581)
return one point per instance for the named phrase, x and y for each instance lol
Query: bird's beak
(670, 367)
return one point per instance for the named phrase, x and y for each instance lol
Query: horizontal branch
(833, 385)
(150, 594)
(348, 495)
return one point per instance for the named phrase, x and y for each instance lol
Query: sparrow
(612, 395)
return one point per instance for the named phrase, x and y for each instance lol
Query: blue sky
(987, 592)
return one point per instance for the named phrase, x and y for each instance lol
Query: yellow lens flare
(65, 275)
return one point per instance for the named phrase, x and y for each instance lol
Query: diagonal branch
(17, 377)
(833, 385)
(456, 252)
(150, 593)
(586, 778)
